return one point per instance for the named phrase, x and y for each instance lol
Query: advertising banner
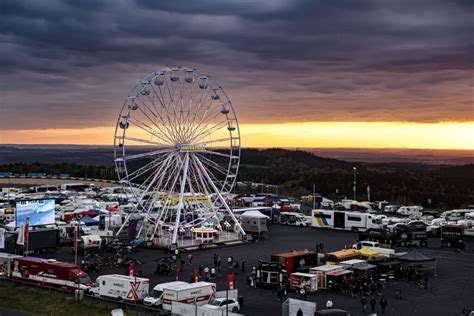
(39, 212)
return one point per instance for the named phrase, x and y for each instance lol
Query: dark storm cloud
(372, 59)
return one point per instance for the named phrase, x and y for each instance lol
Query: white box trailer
(307, 281)
(188, 293)
(343, 220)
(121, 287)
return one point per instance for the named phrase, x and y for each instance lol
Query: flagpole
(76, 233)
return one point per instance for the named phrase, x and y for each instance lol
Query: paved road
(448, 293)
(9, 312)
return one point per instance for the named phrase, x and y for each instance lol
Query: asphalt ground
(447, 294)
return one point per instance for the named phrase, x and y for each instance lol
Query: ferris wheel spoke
(206, 131)
(216, 190)
(149, 130)
(193, 122)
(144, 169)
(145, 155)
(201, 120)
(212, 152)
(213, 164)
(157, 115)
(141, 140)
(158, 174)
(161, 98)
(158, 129)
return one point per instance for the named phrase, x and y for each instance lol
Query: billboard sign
(39, 212)
(188, 148)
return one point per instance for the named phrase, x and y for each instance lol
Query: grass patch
(41, 302)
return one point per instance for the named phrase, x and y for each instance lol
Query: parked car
(224, 304)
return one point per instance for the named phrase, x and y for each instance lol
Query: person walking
(190, 259)
(279, 294)
(213, 273)
(383, 304)
(372, 304)
(242, 265)
(363, 301)
(329, 304)
(303, 294)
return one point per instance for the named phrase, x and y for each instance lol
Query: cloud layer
(71, 63)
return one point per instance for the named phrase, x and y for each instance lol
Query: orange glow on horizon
(445, 135)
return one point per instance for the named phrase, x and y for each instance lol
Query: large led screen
(39, 212)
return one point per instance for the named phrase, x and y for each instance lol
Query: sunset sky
(299, 73)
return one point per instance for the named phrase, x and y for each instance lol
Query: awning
(339, 273)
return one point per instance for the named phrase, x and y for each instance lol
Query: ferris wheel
(177, 150)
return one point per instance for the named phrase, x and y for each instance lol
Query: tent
(415, 256)
(89, 221)
(254, 222)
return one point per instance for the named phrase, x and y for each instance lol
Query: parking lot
(447, 294)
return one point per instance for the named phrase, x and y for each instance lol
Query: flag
(2, 238)
(196, 275)
(26, 231)
(76, 231)
(230, 281)
(21, 236)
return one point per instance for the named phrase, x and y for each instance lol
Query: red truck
(50, 273)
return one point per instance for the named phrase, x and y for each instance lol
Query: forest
(295, 172)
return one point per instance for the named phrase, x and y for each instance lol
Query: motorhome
(121, 287)
(353, 221)
(455, 215)
(391, 208)
(294, 219)
(199, 293)
(410, 211)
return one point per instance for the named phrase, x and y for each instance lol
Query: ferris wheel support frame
(220, 196)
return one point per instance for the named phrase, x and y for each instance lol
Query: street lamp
(355, 182)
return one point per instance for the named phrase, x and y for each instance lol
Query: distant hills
(103, 155)
(400, 181)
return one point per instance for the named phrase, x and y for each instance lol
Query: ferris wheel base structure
(177, 152)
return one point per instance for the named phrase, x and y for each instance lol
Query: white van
(199, 293)
(391, 208)
(410, 211)
(121, 287)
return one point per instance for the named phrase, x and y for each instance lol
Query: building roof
(295, 253)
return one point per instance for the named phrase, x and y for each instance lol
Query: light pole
(355, 183)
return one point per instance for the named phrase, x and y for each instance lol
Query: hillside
(293, 171)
